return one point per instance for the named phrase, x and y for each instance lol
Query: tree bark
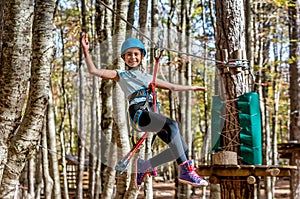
(27, 136)
(294, 71)
(30, 175)
(182, 189)
(55, 173)
(107, 148)
(119, 107)
(14, 72)
(1, 23)
(82, 122)
(48, 181)
(230, 43)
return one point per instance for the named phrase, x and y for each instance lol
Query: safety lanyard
(152, 83)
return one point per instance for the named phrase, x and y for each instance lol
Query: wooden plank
(245, 170)
(288, 148)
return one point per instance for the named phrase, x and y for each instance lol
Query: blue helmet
(132, 43)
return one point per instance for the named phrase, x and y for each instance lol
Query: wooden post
(220, 158)
(224, 158)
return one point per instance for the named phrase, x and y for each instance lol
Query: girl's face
(133, 57)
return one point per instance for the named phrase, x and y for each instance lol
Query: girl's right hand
(85, 42)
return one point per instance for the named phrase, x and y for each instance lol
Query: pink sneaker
(144, 169)
(188, 175)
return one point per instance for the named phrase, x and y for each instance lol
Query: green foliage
(283, 3)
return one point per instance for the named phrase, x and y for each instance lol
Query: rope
(232, 141)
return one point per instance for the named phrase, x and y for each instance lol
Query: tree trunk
(52, 145)
(205, 150)
(98, 184)
(130, 18)
(230, 43)
(106, 52)
(15, 65)
(294, 70)
(38, 187)
(64, 165)
(1, 24)
(48, 181)
(183, 190)
(119, 107)
(82, 122)
(82, 136)
(27, 136)
(30, 174)
(249, 31)
(188, 94)
(61, 132)
(93, 139)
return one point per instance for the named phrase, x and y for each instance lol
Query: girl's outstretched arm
(176, 87)
(103, 73)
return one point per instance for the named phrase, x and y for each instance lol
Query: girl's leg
(169, 132)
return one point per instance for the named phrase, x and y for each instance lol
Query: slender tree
(119, 108)
(106, 52)
(45, 162)
(294, 32)
(82, 108)
(52, 145)
(1, 22)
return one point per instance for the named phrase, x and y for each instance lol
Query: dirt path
(163, 190)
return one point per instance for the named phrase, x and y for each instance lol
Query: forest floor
(166, 190)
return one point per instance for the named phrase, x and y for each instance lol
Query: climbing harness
(122, 164)
(145, 92)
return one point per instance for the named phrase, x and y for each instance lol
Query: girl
(134, 83)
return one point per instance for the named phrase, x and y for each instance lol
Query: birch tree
(119, 107)
(107, 148)
(27, 135)
(15, 68)
(82, 108)
(52, 143)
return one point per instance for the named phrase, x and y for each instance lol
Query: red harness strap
(152, 84)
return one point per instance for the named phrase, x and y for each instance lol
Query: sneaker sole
(191, 183)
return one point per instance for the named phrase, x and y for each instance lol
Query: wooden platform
(245, 170)
(287, 150)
